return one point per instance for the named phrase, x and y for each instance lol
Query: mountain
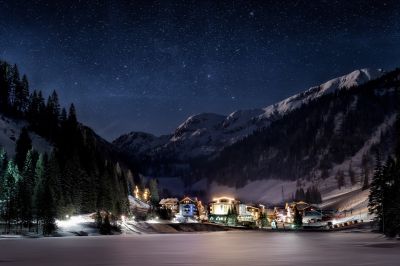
(327, 136)
(205, 135)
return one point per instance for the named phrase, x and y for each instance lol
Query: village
(231, 212)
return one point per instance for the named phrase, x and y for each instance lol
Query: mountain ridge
(206, 134)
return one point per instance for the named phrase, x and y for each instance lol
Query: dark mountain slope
(316, 140)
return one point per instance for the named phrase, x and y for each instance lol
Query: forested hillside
(312, 141)
(79, 174)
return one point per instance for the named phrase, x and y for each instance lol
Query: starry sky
(147, 65)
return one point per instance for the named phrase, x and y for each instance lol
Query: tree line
(312, 195)
(384, 198)
(78, 175)
(307, 142)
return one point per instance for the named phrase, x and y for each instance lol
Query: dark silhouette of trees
(79, 175)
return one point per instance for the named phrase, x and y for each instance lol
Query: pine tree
(390, 204)
(385, 191)
(4, 88)
(365, 175)
(8, 195)
(298, 218)
(49, 210)
(155, 199)
(3, 161)
(23, 145)
(375, 205)
(3, 183)
(26, 189)
(366, 169)
(52, 176)
(63, 116)
(38, 191)
(33, 109)
(352, 175)
(72, 115)
(309, 196)
(340, 179)
(52, 115)
(300, 195)
(53, 105)
(21, 95)
(45, 198)
(14, 88)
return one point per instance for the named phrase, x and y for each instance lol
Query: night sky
(148, 65)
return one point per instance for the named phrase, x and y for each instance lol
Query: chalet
(188, 207)
(312, 216)
(250, 213)
(280, 213)
(301, 206)
(244, 214)
(170, 204)
(221, 207)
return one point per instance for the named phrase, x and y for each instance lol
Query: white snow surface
(76, 224)
(9, 133)
(135, 203)
(330, 184)
(270, 190)
(207, 133)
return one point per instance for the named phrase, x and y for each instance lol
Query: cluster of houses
(227, 210)
(223, 210)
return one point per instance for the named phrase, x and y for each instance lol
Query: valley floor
(216, 248)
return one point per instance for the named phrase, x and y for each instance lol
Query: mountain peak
(206, 133)
(355, 78)
(197, 123)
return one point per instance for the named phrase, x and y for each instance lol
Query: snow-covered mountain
(206, 134)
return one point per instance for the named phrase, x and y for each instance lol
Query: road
(217, 248)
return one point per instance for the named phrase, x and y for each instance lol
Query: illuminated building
(250, 213)
(188, 207)
(221, 207)
(170, 204)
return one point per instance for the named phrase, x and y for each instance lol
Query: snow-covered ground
(77, 225)
(9, 133)
(135, 203)
(219, 248)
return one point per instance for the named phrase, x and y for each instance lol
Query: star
(157, 60)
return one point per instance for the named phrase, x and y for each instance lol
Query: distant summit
(206, 134)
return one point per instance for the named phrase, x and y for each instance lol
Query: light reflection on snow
(71, 221)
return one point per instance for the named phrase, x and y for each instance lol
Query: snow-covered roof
(168, 201)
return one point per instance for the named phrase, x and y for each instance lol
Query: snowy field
(221, 248)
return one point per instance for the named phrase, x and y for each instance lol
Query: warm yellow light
(136, 192)
(220, 198)
(146, 194)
